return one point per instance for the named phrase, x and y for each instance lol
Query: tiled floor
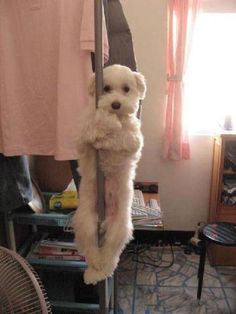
(144, 289)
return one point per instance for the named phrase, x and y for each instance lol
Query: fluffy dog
(114, 131)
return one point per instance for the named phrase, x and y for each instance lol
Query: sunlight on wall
(210, 82)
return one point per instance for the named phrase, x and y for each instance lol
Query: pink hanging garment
(45, 67)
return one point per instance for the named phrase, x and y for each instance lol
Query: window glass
(210, 81)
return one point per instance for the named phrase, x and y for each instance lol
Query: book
(64, 240)
(63, 257)
(44, 250)
(55, 253)
(148, 214)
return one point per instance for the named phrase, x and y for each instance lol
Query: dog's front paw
(93, 276)
(105, 144)
(107, 122)
(98, 144)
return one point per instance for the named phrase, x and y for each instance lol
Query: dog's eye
(107, 88)
(126, 88)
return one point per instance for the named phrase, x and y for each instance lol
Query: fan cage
(21, 289)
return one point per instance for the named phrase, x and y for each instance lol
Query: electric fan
(21, 290)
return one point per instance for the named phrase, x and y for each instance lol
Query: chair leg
(201, 268)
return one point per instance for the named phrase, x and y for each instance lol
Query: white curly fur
(115, 133)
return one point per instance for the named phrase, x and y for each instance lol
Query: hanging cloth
(120, 37)
(45, 67)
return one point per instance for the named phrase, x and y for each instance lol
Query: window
(210, 81)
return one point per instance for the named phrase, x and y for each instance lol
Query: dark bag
(15, 182)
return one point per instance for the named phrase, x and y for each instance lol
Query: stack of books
(60, 247)
(145, 214)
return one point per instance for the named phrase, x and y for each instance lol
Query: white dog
(114, 130)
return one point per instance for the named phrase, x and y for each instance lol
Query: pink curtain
(181, 18)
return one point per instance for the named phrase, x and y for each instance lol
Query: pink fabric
(45, 66)
(181, 19)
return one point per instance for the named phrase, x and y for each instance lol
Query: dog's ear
(141, 84)
(91, 87)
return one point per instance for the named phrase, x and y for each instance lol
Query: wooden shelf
(229, 172)
(219, 211)
(227, 208)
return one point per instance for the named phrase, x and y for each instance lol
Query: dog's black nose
(116, 105)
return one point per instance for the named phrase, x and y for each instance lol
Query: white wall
(184, 185)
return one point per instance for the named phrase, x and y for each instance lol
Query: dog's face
(123, 89)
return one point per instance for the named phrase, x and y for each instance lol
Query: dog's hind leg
(85, 223)
(117, 236)
(119, 231)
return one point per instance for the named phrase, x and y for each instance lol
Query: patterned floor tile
(145, 299)
(213, 301)
(227, 276)
(146, 278)
(208, 281)
(144, 289)
(231, 298)
(183, 301)
(171, 279)
(184, 273)
(126, 277)
(125, 299)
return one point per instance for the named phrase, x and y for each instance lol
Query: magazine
(64, 240)
(57, 253)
